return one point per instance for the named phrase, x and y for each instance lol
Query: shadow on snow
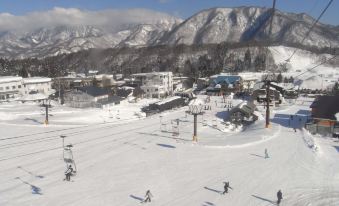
(213, 190)
(166, 145)
(264, 199)
(137, 198)
(35, 190)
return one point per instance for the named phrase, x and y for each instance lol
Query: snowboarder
(148, 196)
(68, 172)
(266, 154)
(279, 196)
(226, 186)
(295, 130)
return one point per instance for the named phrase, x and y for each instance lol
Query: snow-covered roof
(151, 74)
(197, 102)
(34, 80)
(6, 79)
(168, 100)
(127, 88)
(33, 97)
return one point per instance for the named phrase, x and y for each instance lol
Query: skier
(266, 153)
(148, 196)
(68, 172)
(226, 186)
(295, 130)
(279, 196)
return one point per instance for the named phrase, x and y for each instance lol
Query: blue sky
(181, 8)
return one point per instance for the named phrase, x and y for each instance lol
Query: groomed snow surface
(321, 77)
(120, 157)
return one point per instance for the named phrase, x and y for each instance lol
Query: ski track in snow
(117, 163)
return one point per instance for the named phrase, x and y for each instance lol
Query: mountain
(67, 39)
(241, 24)
(211, 26)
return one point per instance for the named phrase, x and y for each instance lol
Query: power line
(81, 142)
(309, 31)
(310, 69)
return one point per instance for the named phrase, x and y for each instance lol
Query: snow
(33, 97)
(6, 79)
(119, 159)
(321, 77)
(32, 80)
(168, 100)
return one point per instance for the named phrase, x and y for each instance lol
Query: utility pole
(46, 105)
(267, 104)
(63, 145)
(195, 109)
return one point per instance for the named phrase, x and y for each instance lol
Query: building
(19, 88)
(10, 87)
(324, 109)
(41, 85)
(90, 96)
(259, 96)
(222, 83)
(166, 104)
(243, 112)
(155, 84)
(103, 80)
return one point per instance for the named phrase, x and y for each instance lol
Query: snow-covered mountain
(251, 23)
(214, 25)
(68, 39)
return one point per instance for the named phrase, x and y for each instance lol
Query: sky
(180, 8)
(16, 14)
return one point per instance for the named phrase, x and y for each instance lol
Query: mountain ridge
(209, 26)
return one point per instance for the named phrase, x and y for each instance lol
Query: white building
(155, 84)
(10, 87)
(41, 85)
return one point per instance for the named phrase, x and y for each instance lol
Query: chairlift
(175, 130)
(68, 158)
(214, 123)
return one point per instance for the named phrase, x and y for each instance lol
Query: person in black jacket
(279, 196)
(226, 186)
(148, 196)
(68, 172)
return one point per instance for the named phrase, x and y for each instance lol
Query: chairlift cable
(309, 31)
(77, 143)
(310, 69)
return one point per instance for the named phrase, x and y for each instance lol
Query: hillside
(211, 26)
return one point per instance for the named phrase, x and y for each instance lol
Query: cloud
(73, 17)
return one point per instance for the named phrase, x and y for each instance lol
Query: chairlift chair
(68, 158)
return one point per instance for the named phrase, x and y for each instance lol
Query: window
(147, 90)
(7, 88)
(1, 88)
(13, 87)
(156, 89)
(19, 86)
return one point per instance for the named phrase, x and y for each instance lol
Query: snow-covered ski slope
(118, 162)
(322, 77)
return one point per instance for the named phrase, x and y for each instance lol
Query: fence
(315, 128)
